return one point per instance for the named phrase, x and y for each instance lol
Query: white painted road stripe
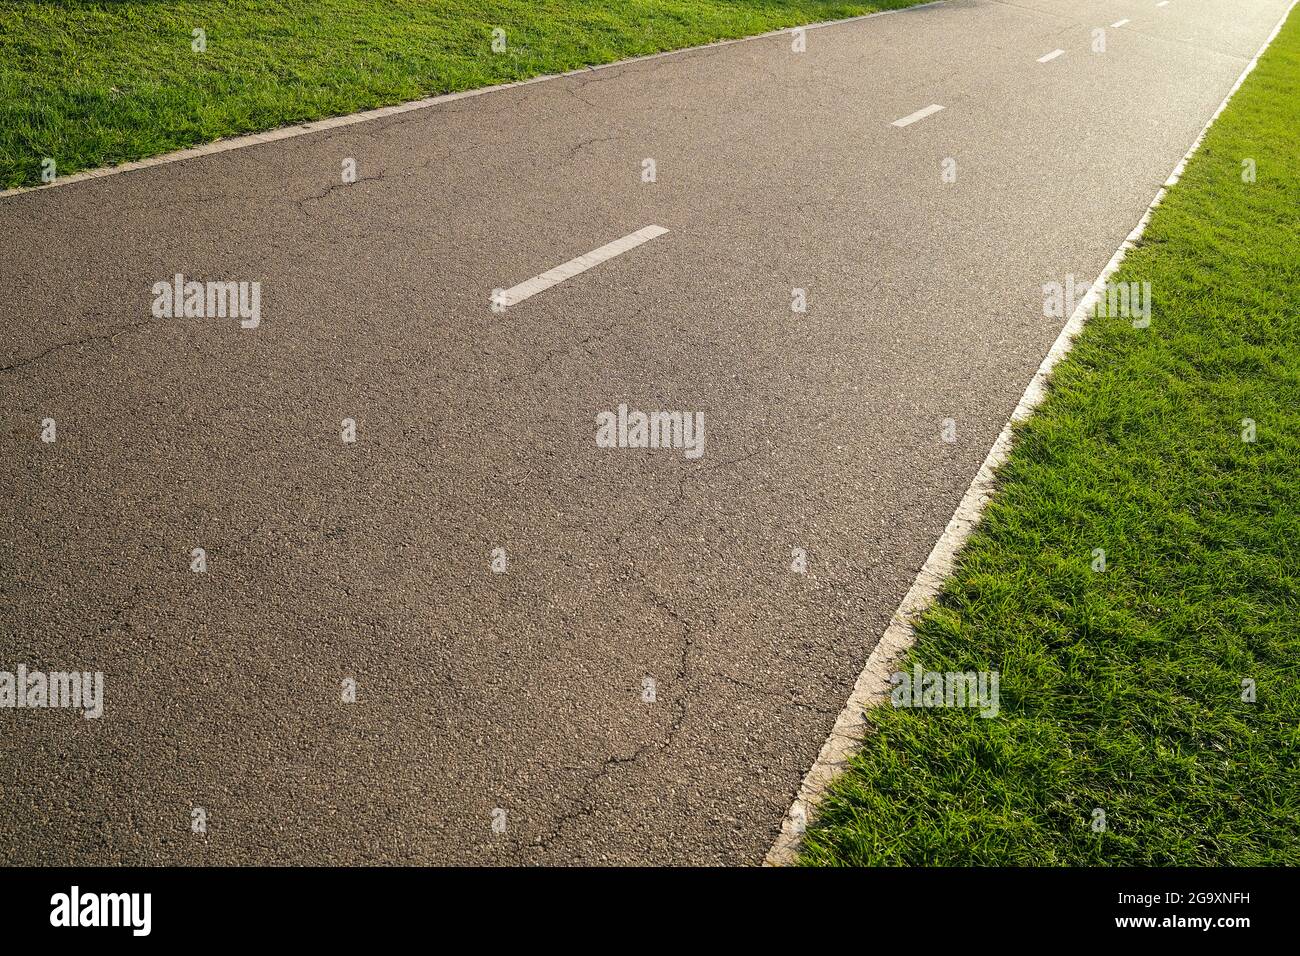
(918, 115)
(1163, 3)
(571, 268)
(1051, 56)
(1119, 23)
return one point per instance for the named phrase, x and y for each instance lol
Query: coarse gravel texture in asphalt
(525, 690)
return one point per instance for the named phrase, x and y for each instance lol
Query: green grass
(97, 83)
(1121, 690)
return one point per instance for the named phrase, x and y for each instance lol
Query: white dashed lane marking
(516, 294)
(918, 115)
(1050, 56)
(1117, 24)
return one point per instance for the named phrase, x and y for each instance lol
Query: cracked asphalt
(523, 690)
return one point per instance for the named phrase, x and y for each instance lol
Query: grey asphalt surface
(327, 560)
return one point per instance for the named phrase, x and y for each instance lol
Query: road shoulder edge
(351, 119)
(873, 685)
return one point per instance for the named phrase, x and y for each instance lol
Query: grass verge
(1121, 690)
(90, 84)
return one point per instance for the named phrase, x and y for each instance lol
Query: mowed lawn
(90, 84)
(1122, 690)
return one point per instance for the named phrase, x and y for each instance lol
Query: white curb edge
(334, 122)
(872, 687)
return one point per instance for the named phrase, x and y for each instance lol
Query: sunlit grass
(1122, 690)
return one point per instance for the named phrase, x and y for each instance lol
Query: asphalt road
(476, 430)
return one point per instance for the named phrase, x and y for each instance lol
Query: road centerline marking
(1050, 56)
(918, 115)
(1119, 23)
(567, 270)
